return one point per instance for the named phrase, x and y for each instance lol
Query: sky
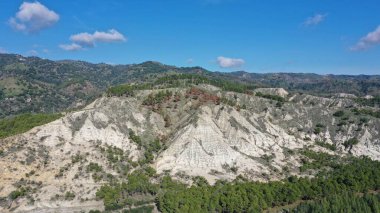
(318, 36)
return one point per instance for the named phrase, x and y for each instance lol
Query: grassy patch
(11, 86)
(331, 147)
(22, 123)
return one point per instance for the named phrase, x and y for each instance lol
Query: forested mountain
(192, 143)
(32, 84)
(37, 85)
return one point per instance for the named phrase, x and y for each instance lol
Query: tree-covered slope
(32, 84)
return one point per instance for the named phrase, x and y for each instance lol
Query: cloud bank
(33, 17)
(225, 62)
(82, 40)
(368, 41)
(314, 20)
(87, 39)
(70, 47)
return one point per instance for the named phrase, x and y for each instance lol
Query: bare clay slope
(53, 159)
(259, 140)
(203, 131)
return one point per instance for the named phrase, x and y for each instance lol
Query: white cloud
(2, 50)
(71, 47)
(85, 39)
(32, 53)
(82, 40)
(371, 39)
(315, 20)
(110, 36)
(190, 61)
(33, 17)
(89, 40)
(225, 62)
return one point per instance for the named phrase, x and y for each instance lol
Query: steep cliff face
(258, 141)
(223, 143)
(202, 131)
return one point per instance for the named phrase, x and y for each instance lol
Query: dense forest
(344, 180)
(345, 202)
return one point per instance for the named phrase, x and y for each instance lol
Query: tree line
(180, 80)
(339, 178)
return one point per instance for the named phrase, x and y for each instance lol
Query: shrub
(94, 167)
(18, 193)
(69, 196)
(339, 113)
(319, 125)
(350, 143)
(331, 147)
(271, 97)
(317, 130)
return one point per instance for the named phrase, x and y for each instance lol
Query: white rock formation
(216, 141)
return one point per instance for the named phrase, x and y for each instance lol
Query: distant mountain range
(32, 84)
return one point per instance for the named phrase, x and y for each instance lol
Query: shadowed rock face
(246, 135)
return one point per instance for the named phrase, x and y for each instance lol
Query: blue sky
(320, 36)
